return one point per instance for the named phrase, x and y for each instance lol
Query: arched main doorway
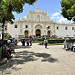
(26, 33)
(38, 32)
(49, 33)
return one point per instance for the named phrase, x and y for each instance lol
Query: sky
(53, 8)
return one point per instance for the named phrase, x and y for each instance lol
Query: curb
(3, 61)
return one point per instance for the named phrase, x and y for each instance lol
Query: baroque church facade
(37, 23)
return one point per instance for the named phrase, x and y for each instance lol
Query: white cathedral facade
(37, 23)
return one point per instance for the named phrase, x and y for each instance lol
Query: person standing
(67, 44)
(45, 42)
(23, 42)
(30, 41)
(8, 42)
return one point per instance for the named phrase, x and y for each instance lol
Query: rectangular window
(15, 26)
(72, 28)
(48, 27)
(57, 28)
(26, 26)
(66, 28)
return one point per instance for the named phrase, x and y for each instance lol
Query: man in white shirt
(45, 42)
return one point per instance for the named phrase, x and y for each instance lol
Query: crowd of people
(7, 47)
(27, 42)
(69, 46)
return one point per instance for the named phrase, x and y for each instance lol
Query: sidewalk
(38, 60)
(2, 62)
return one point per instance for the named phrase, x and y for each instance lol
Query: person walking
(45, 42)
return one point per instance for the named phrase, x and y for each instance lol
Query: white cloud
(24, 16)
(56, 14)
(62, 20)
(52, 17)
(19, 18)
(58, 17)
(60, 11)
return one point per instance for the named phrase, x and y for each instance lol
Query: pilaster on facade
(37, 23)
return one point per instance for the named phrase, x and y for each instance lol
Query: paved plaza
(38, 60)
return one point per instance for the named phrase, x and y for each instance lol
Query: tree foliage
(7, 6)
(9, 36)
(68, 9)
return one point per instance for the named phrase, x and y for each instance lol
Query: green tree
(9, 36)
(8, 6)
(68, 9)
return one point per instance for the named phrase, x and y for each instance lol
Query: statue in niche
(38, 17)
(20, 26)
(21, 31)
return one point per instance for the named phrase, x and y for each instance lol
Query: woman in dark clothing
(6, 53)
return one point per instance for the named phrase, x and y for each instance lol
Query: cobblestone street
(38, 60)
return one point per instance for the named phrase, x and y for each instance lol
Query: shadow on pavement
(18, 47)
(26, 56)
